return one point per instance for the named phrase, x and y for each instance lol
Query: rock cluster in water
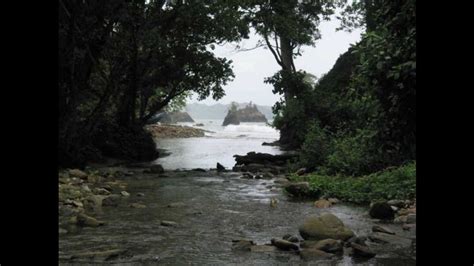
(174, 131)
(248, 114)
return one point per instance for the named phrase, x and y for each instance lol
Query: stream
(210, 210)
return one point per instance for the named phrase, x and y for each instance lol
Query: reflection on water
(218, 146)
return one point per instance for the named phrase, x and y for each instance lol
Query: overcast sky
(251, 67)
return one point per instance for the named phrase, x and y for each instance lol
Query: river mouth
(211, 209)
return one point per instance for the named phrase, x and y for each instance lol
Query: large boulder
(381, 210)
(315, 254)
(172, 117)
(362, 251)
(232, 118)
(325, 226)
(157, 169)
(264, 158)
(220, 167)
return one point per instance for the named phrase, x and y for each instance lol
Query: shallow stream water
(212, 210)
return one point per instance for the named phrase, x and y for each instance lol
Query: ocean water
(219, 145)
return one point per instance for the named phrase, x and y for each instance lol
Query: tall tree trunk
(286, 60)
(128, 104)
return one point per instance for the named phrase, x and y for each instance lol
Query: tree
(121, 62)
(233, 107)
(285, 26)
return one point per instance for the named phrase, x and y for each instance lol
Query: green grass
(394, 183)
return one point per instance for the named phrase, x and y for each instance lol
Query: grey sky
(251, 67)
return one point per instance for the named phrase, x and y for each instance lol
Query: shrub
(392, 183)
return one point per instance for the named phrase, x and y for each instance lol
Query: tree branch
(278, 59)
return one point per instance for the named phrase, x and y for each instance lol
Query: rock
(400, 219)
(264, 158)
(94, 179)
(301, 171)
(199, 125)
(394, 208)
(77, 204)
(325, 226)
(247, 176)
(199, 170)
(77, 173)
(137, 206)
(314, 254)
(300, 189)
(362, 251)
(396, 203)
(322, 203)
(248, 114)
(140, 194)
(93, 202)
(356, 239)
(411, 219)
(237, 168)
(333, 200)
(174, 131)
(281, 180)
(390, 239)
(381, 210)
(85, 220)
(268, 175)
(328, 245)
(263, 248)
(231, 118)
(111, 200)
(253, 167)
(242, 245)
(220, 167)
(284, 244)
(176, 205)
(275, 143)
(408, 227)
(86, 188)
(381, 229)
(62, 231)
(125, 193)
(102, 191)
(157, 169)
(168, 223)
(291, 238)
(273, 202)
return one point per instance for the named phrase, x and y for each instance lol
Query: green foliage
(178, 103)
(316, 146)
(296, 111)
(121, 62)
(363, 111)
(387, 75)
(394, 183)
(233, 107)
